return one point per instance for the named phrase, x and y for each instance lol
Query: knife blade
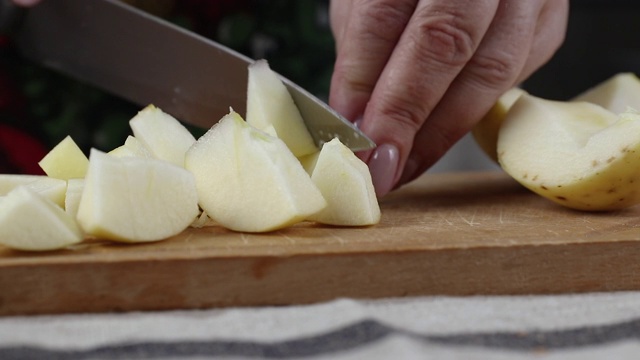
(145, 59)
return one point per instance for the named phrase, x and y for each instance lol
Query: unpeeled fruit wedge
(616, 94)
(486, 131)
(576, 154)
(248, 180)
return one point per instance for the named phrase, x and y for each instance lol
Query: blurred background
(38, 108)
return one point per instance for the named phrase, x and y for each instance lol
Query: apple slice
(345, 183)
(73, 195)
(131, 147)
(134, 199)
(270, 104)
(164, 136)
(577, 154)
(29, 221)
(616, 94)
(486, 131)
(51, 188)
(65, 161)
(248, 180)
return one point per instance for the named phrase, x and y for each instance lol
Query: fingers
(439, 40)
(549, 35)
(366, 34)
(500, 62)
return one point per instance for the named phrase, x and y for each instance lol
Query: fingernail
(383, 165)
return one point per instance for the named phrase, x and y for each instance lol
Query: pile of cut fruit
(258, 175)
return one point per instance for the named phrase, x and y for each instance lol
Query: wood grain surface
(454, 234)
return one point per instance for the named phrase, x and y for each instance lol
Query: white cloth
(583, 326)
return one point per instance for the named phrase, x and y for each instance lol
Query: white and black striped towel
(586, 326)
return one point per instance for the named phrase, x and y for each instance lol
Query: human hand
(419, 74)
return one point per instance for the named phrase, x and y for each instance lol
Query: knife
(145, 59)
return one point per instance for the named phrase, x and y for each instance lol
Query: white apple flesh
(65, 161)
(576, 154)
(131, 147)
(616, 94)
(164, 136)
(486, 131)
(134, 199)
(29, 221)
(345, 182)
(51, 188)
(269, 105)
(248, 180)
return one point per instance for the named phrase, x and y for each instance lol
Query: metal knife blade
(144, 59)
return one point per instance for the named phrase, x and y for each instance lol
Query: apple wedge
(51, 188)
(164, 136)
(269, 104)
(576, 154)
(486, 131)
(131, 147)
(248, 180)
(345, 183)
(29, 221)
(616, 94)
(73, 195)
(134, 199)
(65, 161)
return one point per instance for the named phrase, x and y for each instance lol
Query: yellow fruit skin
(600, 172)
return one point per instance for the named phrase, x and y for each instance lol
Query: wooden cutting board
(455, 234)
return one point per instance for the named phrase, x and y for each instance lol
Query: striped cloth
(585, 326)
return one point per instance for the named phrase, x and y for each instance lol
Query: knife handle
(11, 17)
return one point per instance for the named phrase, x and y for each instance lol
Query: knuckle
(445, 39)
(386, 20)
(494, 71)
(405, 116)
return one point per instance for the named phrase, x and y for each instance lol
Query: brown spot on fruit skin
(525, 176)
(611, 159)
(594, 163)
(543, 187)
(535, 178)
(612, 190)
(561, 198)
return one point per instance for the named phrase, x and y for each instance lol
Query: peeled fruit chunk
(616, 94)
(134, 199)
(73, 195)
(486, 131)
(65, 161)
(164, 136)
(248, 180)
(576, 154)
(269, 104)
(51, 188)
(131, 147)
(29, 221)
(345, 182)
